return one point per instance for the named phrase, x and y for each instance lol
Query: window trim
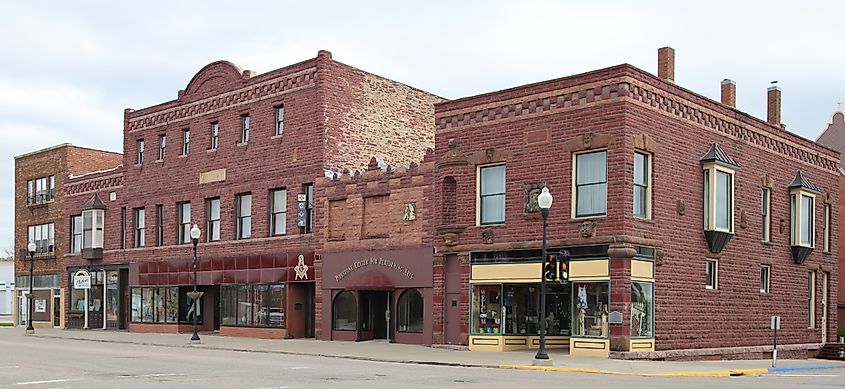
(279, 124)
(182, 234)
(574, 187)
(479, 197)
(811, 299)
(186, 141)
(239, 218)
(209, 236)
(826, 228)
(139, 154)
(648, 186)
(766, 213)
(709, 197)
(715, 284)
(140, 220)
(765, 287)
(41, 229)
(162, 146)
(796, 215)
(74, 233)
(274, 212)
(245, 127)
(159, 225)
(214, 135)
(399, 311)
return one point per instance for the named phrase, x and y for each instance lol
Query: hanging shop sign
(82, 280)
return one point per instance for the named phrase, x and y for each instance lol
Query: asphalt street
(32, 362)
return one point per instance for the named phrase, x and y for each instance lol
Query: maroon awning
(371, 280)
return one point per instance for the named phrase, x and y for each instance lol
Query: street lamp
(195, 296)
(544, 200)
(30, 298)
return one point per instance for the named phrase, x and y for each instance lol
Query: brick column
(620, 294)
(438, 306)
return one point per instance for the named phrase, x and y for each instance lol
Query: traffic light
(549, 267)
(563, 266)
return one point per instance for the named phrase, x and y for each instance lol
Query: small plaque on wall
(614, 317)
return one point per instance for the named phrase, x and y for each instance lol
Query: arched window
(410, 308)
(344, 311)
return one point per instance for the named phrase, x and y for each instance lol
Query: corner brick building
(236, 154)
(40, 216)
(689, 223)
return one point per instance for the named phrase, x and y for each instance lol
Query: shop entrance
(374, 309)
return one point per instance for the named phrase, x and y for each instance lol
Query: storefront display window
(642, 309)
(520, 309)
(253, 305)
(486, 309)
(155, 305)
(112, 295)
(344, 311)
(591, 309)
(410, 309)
(558, 301)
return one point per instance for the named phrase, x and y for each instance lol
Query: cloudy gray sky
(68, 69)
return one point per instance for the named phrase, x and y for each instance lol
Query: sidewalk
(402, 353)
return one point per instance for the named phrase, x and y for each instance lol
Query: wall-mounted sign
(41, 305)
(374, 262)
(300, 209)
(301, 268)
(82, 280)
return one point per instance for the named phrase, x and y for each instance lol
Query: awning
(371, 280)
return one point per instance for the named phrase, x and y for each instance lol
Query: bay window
(718, 197)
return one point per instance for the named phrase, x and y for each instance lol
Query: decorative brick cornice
(238, 97)
(112, 181)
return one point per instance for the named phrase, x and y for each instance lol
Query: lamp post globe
(30, 298)
(544, 200)
(195, 296)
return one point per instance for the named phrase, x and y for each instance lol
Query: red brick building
(689, 223)
(40, 217)
(236, 154)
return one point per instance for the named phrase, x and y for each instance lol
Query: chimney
(666, 63)
(729, 93)
(774, 104)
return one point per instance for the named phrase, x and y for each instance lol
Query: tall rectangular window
(183, 215)
(280, 120)
(140, 227)
(642, 180)
(718, 198)
(278, 211)
(826, 229)
(811, 299)
(30, 192)
(76, 234)
(591, 184)
(51, 188)
(711, 274)
(245, 128)
(244, 216)
(186, 141)
(765, 211)
(212, 210)
(802, 210)
(159, 225)
(765, 278)
(162, 146)
(139, 158)
(42, 236)
(491, 192)
(122, 227)
(215, 135)
(309, 207)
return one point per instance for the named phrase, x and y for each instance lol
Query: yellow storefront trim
(514, 342)
(642, 270)
(641, 345)
(589, 347)
(507, 272)
(594, 269)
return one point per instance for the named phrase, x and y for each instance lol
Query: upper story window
(215, 135)
(491, 194)
(802, 205)
(212, 209)
(245, 128)
(244, 216)
(140, 227)
(41, 190)
(718, 197)
(93, 221)
(183, 215)
(186, 141)
(139, 157)
(590, 184)
(278, 211)
(826, 229)
(42, 236)
(765, 278)
(711, 274)
(76, 234)
(642, 185)
(765, 211)
(280, 120)
(811, 299)
(159, 225)
(309, 208)
(162, 146)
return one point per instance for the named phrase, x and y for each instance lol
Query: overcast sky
(68, 69)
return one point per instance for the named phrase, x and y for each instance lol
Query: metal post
(31, 299)
(195, 337)
(541, 353)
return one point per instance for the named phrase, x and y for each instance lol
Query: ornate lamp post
(544, 200)
(30, 298)
(195, 296)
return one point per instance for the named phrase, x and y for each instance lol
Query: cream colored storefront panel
(507, 272)
(642, 270)
(596, 268)
(641, 345)
(589, 347)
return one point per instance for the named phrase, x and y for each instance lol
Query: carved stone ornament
(743, 221)
(452, 157)
(587, 229)
(410, 212)
(680, 207)
(450, 239)
(587, 141)
(488, 235)
(658, 257)
(645, 142)
(491, 155)
(532, 190)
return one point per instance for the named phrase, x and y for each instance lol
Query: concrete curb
(715, 373)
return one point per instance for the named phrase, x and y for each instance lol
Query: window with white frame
(41, 190)
(42, 236)
(765, 278)
(215, 136)
(159, 225)
(212, 210)
(76, 234)
(811, 299)
(711, 274)
(803, 218)
(642, 183)
(280, 120)
(244, 128)
(162, 146)
(244, 216)
(491, 193)
(139, 157)
(186, 141)
(718, 199)
(278, 211)
(826, 229)
(140, 227)
(590, 184)
(183, 211)
(765, 211)
(92, 228)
